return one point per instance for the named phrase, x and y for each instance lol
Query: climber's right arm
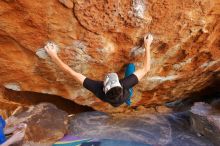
(53, 54)
(77, 76)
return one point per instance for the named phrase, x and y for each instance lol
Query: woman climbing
(111, 90)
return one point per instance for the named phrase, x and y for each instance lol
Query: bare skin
(51, 50)
(18, 134)
(140, 73)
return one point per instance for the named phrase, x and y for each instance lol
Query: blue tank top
(2, 126)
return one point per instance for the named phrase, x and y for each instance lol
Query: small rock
(45, 123)
(198, 134)
(67, 3)
(205, 120)
(201, 108)
(13, 86)
(163, 109)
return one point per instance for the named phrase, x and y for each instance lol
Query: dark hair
(114, 93)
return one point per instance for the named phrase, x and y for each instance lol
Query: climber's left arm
(140, 73)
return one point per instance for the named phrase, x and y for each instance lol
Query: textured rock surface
(11, 100)
(100, 36)
(166, 130)
(206, 121)
(7, 107)
(45, 123)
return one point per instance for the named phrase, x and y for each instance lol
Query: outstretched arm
(140, 73)
(51, 50)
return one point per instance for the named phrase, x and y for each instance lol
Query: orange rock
(100, 36)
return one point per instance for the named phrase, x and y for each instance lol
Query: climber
(18, 133)
(111, 90)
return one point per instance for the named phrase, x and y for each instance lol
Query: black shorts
(96, 87)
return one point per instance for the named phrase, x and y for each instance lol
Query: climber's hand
(51, 49)
(148, 39)
(21, 126)
(10, 130)
(17, 136)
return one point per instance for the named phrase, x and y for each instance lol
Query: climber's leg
(129, 70)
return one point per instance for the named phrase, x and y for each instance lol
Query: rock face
(206, 121)
(102, 36)
(165, 130)
(45, 124)
(12, 101)
(7, 107)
